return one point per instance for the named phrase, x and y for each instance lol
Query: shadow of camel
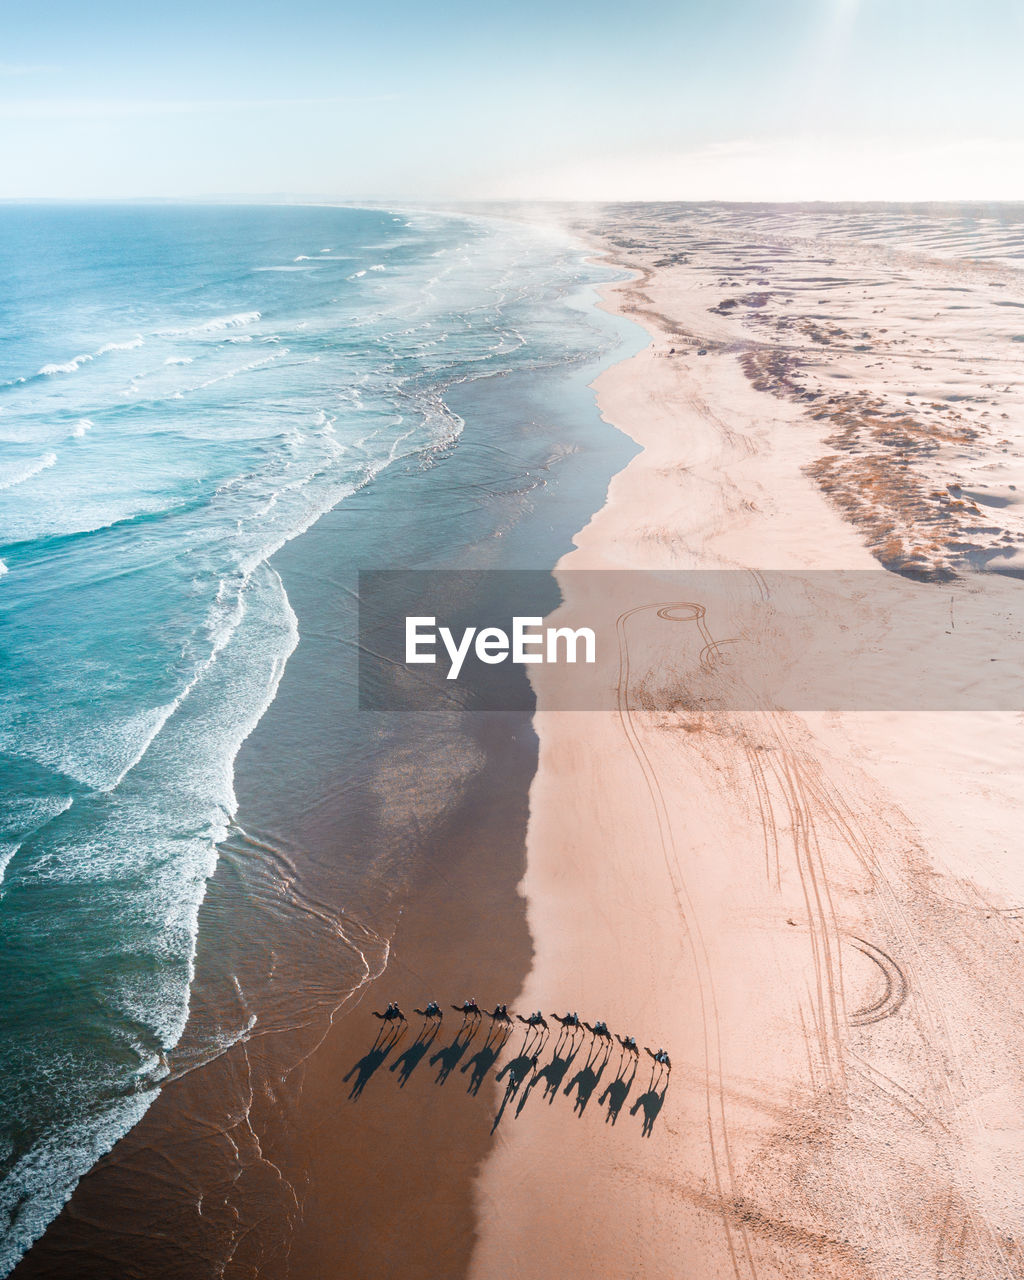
(449, 1056)
(482, 1062)
(586, 1080)
(371, 1061)
(616, 1093)
(516, 1070)
(651, 1102)
(405, 1064)
(554, 1073)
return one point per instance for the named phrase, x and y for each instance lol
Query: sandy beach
(816, 914)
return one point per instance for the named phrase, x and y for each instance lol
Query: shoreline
(766, 900)
(257, 1151)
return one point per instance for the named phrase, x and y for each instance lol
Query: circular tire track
(896, 987)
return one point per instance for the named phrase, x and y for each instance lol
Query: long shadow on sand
(370, 1062)
(586, 1080)
(555, 1072)
(405, 1064)
(449, 1056)
(482, 1062)
(517, 1070)
(651, 1104)
(521, 1074)
(615, 1094)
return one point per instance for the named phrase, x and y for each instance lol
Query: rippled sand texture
(817, 914)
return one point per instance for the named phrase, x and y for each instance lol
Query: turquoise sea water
(183, 392)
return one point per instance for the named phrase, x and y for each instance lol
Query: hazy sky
(735, 99)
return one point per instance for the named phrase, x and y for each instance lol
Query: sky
(541, 99)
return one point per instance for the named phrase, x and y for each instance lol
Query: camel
(570, 1020)
(501, 1014)
(660, 1057)
(433, 1010)
(468, 1009)
(391, 1014)
(534, 1020)
(600, 1030)
(630, 1045)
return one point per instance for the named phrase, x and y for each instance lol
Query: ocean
(185, 393)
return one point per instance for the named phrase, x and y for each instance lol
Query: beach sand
(817, 913)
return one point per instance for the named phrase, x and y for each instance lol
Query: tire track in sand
(736, 1233)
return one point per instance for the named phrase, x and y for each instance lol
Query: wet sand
(330, 1145)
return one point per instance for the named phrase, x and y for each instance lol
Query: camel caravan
(471, 1011)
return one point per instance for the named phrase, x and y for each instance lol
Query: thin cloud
(91, 108)
(789, 169)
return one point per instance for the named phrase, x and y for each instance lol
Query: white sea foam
(29, 817)
(73, 365)
(101, 756)
(3, 568)
(178, 360)
(133, 345)
(217, 325)
(40, 1184)
(70, 366)
(243, 368)
(378, 266)
(18, 473)
(356, 275)
(81, 427)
